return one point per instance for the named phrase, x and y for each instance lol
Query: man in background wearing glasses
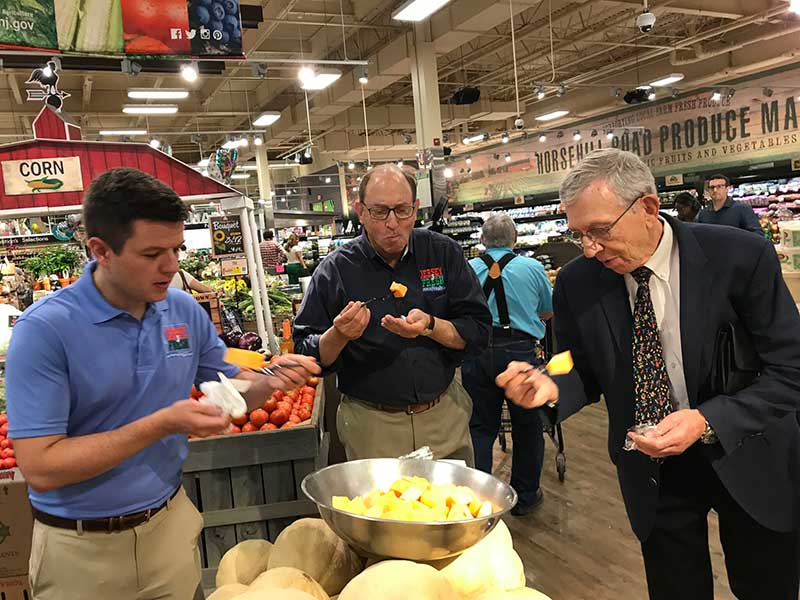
(396, 358)
(641, 312)
(723, 210)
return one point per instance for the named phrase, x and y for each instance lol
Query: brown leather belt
(411, 409)
(107, 525)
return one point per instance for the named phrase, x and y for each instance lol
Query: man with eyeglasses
(641, 312)
(396, 358)
(723, 210)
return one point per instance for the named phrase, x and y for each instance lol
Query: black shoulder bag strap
(185, 283)
(494, 283)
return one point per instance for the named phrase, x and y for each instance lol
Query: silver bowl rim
(329, 507)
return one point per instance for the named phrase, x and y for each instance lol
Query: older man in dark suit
(641, 312)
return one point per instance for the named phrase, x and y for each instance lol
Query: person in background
(396, 357)
(272, 254)
(641, 313)
(98, 378)
(687, 206)
(296, 266)
(723, 210)
(520, 298)
(183, 280)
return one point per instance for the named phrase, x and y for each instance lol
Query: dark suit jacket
(726, 274)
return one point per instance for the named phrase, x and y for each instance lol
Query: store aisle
(578, 545)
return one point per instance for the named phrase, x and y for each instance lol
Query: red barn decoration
(51, 124)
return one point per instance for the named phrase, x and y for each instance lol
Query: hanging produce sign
(42, 175)
(124, 27)
(226, 235)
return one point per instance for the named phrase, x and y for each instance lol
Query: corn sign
(42, 176)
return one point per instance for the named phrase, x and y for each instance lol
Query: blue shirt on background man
(528, 291)
(77, 365)
(732, 214)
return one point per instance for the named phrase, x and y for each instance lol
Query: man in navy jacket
(641, 311)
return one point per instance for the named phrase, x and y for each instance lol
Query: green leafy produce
(29, 23)
(54, 260)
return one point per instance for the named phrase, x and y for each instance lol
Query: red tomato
(287, 425)
(3, 418)
(293, 395)
(248, 427)
(279, 417)
(268, 427)
(284, 405)
(6, 444)
(278, 395)
(7, 453)
(259, 417)
(8, 463)
(270, 404)
(304, 414)
(295, 419)
(240, 420)
(235, 429)
(4, 429)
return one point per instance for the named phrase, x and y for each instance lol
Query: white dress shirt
(665, 291)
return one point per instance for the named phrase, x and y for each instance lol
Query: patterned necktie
(651, 383)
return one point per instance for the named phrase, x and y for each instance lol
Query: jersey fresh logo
(432, 279)
(177, 338)
(45, 183)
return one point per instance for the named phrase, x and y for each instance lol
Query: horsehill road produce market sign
(42, 175)
(680, 136)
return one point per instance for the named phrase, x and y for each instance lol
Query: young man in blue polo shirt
(520, 298)
(98, 380)
(723, 210)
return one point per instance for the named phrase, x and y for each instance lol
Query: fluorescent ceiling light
(417, 10)
(230, 144)
(150, 109)
(203, 163)
(267, 118)
(240, 176)
(123, 132)
(247, 167)
(551, 116)
(158, 94)
(482, 137)
(321, 79)
(668, 80)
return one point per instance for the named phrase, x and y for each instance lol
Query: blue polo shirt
(528, 291)
(77, 365)
(732, 214)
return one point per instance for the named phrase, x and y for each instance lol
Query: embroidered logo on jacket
(432, 280)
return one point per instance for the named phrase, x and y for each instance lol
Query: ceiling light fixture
(610, 135)
(247, 167)
(155, 143)
(674, 93)
(203, 163)
(468, 160)
(258, 140)
(448, 173)
(577, 136)
(112, 132)
(400, 163)
(321, 80)
(561, 91)
(240, 176)
(266, 118)
(507, 157)
(767, 92)
(417, 10)
(667, 80)
(150, 109)
(307, 153)
(363, 74)
(130, 67)
(482, 137)
(651, 96)
(552, 116)
(543, 138)
(351, 165)
(190, 72)
(327, 180)
(540, 93)
(504, 138)
(157, 94)
(306, 73)
(716, 95)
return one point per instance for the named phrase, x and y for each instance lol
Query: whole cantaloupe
(312, 547)
(228, 592)
(274, 594)
(399, 580)
(520, 594)
(289, 578)
(244, 562)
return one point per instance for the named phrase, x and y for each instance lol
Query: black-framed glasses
(599, 234)
(721, 186)
(381, 213)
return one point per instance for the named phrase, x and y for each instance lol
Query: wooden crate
(210, 302)
(247, 486)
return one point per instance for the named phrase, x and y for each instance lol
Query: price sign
(230, 267)
(226, 235)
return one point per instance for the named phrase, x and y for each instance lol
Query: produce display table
(247, 486)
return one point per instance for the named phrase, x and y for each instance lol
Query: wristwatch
(429, 329)
(709, 435)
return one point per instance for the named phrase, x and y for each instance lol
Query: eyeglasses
(598, 234)
(721, 186)
(381, 213)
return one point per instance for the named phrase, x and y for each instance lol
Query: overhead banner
(42, 176)
(177, 28)
(673, 138)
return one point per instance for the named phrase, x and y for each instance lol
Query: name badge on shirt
(178, 342)
(432, 280)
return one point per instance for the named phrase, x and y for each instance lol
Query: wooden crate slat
(278, 487)
(248, 490)
(215, 494)
(301, 469)
(263, 512)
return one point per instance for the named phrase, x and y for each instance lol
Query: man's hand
(194, 418)
(290, 377)
(412, 326)
(526, 386)
(352, 321)
(673, 435)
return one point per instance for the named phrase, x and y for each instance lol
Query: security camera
(519, 123)
(646, 21)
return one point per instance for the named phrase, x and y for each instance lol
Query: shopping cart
(556, 435)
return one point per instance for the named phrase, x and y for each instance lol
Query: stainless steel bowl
(403, 539)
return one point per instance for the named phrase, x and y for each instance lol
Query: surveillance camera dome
(646, 21)
(519, 123)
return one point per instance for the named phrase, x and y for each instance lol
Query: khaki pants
(367, 432)
(157, 560)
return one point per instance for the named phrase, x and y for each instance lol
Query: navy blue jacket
(726, 274)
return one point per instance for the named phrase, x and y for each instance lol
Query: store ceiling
(596, 48)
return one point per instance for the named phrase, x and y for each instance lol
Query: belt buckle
(148, 513)
(409, 410)
(111, 524)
